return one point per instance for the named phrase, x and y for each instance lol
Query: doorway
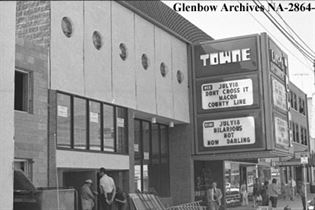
(75, 179)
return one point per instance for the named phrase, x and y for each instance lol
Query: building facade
(116, 84)
(109, 87)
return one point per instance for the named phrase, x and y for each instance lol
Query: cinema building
(134, 87)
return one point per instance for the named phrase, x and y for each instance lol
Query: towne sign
(241, 95)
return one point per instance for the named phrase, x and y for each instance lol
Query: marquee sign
(240, 95)
(226, 56)
(229, 132)
(225, 94)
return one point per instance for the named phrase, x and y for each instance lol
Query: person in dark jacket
(256, 190)
(264, 194)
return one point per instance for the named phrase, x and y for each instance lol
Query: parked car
(26, 197)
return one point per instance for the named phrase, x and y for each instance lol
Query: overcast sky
(223, 24)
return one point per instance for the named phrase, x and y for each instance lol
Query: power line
(306, 65)
(306, 54)
(285, 22)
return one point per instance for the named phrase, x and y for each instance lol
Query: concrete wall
(7, 43)
(181, 164)
(31, 127)
(181, 148)
(78, 67)
(33, 21)
(91, 160)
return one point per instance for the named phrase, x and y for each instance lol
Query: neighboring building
(299, 137)
(311, 109)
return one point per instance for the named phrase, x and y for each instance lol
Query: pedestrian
(107, 189)
(301, 192)
(214, 196)
(265, 194)
(87, 197)
(121, 199)
(292, 188)
(244, 195)
(274, 193)
(256, 191)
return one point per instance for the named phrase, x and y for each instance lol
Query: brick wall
(31, 128)
(33, 21)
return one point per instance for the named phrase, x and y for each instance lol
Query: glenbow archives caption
(245, 6)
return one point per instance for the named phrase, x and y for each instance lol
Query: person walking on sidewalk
(214, 196)
(274, 193)
(292, 184)
(300, 191)
(256, 191)
(265, 194)
(244, 195)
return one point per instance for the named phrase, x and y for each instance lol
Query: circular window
(163, 69)
(66, 26)
(123, 51)
(145, 61)
(180, 76)
(97, 40)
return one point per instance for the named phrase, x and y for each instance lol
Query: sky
(224, 24)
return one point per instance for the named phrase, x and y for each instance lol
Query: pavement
(296, 204)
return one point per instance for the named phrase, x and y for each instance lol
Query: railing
(149, 201)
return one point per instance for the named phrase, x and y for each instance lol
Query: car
(26, 196)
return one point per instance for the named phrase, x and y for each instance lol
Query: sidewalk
(296, 204)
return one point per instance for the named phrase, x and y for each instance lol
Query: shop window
(94, 126)
(86, 124)
(146, 139)
(164, 166)
(79, 123)
(24, 165)
(151, 164)
(156, 146)
(64, 121)
(121, 130)
(22, 91)
(108, 128)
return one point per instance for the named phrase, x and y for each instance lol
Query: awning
(241, 155)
